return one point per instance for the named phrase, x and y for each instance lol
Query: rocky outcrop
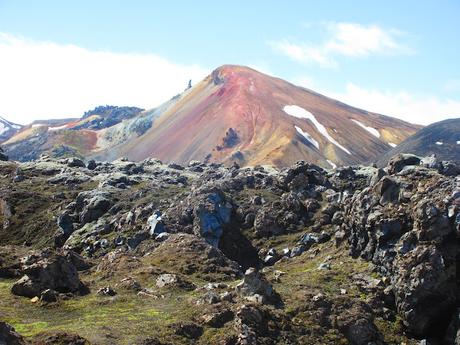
(3, 156)
(255, 287)
(407, 224)
(8, 335)
(47, 271)
(248, 250)
(212, 211)
(59, 338)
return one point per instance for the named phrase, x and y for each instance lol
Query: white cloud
(304, 53)
(346, 39)
(49, 80)
(401, 104)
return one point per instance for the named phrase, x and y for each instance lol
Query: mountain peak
(253, 109)
(232, 72)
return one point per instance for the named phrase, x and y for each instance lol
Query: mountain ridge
(235, 114)
(441, 139)
(8, 129)
(241, 95)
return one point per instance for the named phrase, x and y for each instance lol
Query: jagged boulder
(255, 287)
(211, 213)
(424, 288)
(8, 335)
(398, 162)
(53, 272)
(3, 156)
(75, 162)
(93, 205)
(206, 212)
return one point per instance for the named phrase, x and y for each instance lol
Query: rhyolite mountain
(99, 128)
(239, 114)
(7, 129)
(234, 114)
(441, 139)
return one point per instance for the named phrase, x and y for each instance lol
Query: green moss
(126, 315)
(30, 329)
(393, 331)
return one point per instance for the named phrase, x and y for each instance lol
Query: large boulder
(75, 162)
(424, 288)
(8, 335)
(95, 208)
(53, 272)
(398, 162)
(3, 156)
(206, 211)
(255, 287)
(92, 205)
(212, 212)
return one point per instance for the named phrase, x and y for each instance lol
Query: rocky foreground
(148, 253)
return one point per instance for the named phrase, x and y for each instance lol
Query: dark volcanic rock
(3, 156)
(59, 338)
(179, 239)
(188, 330)
(398, 162)
(8, 335)
(403, 227)
(48, 272)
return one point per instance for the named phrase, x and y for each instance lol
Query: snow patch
(153, 221)
(3, 128)
(57, 128)
(392, 144)
(333, 165)
(371, 130)
(307, 136)
(439, 143)
(38, 125)
(458, 142)
(301, 113)
(16, 127)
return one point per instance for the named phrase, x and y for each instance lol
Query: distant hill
(440, 138)
(8, 129)
(102, 127)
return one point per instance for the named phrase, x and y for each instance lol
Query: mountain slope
(97, 129)
(239, 114)
(7, 129)
(235, 114)
(440, 138)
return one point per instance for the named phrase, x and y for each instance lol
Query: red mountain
(239, 114)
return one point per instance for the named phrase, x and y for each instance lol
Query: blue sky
(395, 57)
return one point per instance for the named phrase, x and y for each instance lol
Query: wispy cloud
(400, 104)
(345, 39)
(49, 80)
